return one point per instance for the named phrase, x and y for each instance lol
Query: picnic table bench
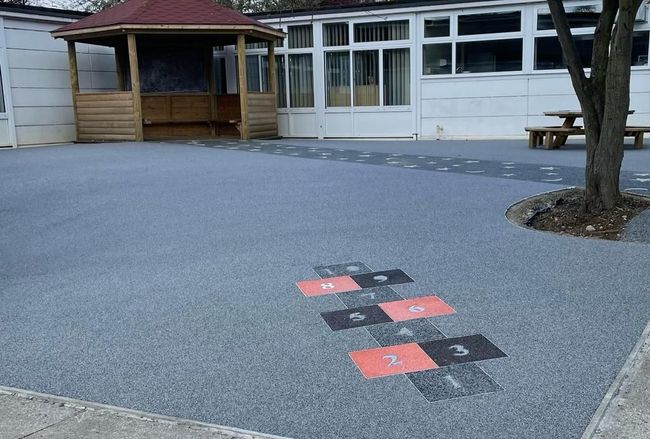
(553, 137)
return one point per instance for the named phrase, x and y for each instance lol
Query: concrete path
(161, 278)
(33, 415)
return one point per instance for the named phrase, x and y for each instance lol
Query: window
(220, 78)
(578, 16)
(489, 56)
(301, 81)
(381, 31)
(253, 73)
(301, 37)
(436, 27)
(436, 59)
(397, 77)
(336, 34)
(337, 79)
(492, 23)
(281, 80)
(366, 78)
(548, 53)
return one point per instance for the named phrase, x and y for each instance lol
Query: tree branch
(581, 83)
(600, 53)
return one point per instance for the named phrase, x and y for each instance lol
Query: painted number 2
(327, 285)
(459, 350)
(392, 360)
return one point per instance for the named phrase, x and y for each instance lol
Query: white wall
(485, 105)
(37, 72)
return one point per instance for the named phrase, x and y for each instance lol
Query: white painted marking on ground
(475, 172)
(294, 153)
(472, 161)
(290, 147)
(456, 166)
(405, 331)
(636, 189)
(641, 175)
(421, 157)
(547, 168)
(508, 175)
(507, 163)
(365, 155)
(431, 163)
(551, 180)
(550, 173)
(508, 167)
(442, 169)
(396, 155)
(447, 159)
(641, 180)
(453, 382)
(325, 153)
(343, 158)
(360, 160)
(410, 166)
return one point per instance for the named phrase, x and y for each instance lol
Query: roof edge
(43, 11)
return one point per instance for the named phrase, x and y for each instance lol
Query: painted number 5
(392, 360)
(357, 317)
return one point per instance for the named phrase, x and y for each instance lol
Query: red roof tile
(174, 12)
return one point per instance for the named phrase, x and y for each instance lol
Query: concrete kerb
(78, 404)
(627, 371)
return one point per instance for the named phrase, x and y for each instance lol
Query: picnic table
(555, 136)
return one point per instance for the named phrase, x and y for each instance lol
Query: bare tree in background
(604, 96)
(239, 5)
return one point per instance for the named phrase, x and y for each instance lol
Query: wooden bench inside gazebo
(165, 77)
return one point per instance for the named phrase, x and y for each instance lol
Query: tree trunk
(604, 96)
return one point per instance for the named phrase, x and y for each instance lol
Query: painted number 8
(327, 285)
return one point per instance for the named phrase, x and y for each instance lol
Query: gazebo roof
(164, 15)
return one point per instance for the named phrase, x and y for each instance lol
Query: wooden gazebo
(165, 77)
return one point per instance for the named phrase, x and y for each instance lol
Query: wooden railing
(105, 116)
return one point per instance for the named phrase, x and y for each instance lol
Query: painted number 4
(392, 360)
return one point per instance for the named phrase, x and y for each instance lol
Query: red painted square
(392, 360)
(329, 285)
(418, 308)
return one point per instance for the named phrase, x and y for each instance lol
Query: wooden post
(209, 59)
(119, 67)
(74, 82)
(135, 86)
(271, 56)
(243, 85)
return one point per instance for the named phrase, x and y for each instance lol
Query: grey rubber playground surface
(160, 277)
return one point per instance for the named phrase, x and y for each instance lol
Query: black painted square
(381, 278)
(369, 296)
(355, 317)
(347, 269)
(461, 350)
(453, 382)
(410, 331)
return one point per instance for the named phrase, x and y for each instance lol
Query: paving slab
(21, 417)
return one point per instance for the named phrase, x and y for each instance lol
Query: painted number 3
(327, 285)
(392, 360)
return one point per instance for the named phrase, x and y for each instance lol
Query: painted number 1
(392, 360)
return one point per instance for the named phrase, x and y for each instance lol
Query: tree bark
(604, 96)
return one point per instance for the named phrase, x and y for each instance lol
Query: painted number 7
(392, 360)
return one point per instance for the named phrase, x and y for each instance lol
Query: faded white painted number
(371, 295)
(327, 285)
(453, 381)
(392, 360)
(416, 308)
(459, 350)
(357, 317)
